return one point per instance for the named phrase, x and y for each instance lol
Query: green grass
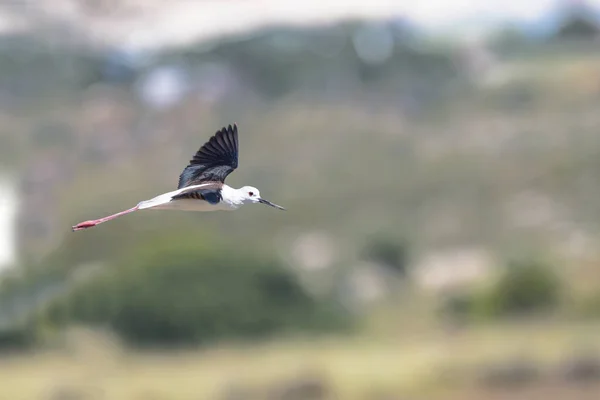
(354, 367)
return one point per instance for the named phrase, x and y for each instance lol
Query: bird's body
(193, 205)
(202, 183)
(224, 199)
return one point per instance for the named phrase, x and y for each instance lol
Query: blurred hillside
(469, 148)
(433, 128)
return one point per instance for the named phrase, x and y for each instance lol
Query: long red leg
(94, 222)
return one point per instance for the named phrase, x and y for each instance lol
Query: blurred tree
(578, 21)
(525, 287)
(180, 291)
(578, 28)
(387, 252)
(16, 339)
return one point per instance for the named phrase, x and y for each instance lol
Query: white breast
(193, 205)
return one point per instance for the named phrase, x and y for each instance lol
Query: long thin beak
(263, 201)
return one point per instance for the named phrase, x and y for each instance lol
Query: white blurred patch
(577, 244)
(163, 86)
(374, 44)
(314, 251)
(453, 268)
(8, 213)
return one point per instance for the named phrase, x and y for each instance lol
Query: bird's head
(251, 194)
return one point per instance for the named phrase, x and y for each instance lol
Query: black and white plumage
(202, 183)
(216, 159)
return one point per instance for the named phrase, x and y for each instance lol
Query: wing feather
(216, 159)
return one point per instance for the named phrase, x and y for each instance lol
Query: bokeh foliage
(182, 290)
(525, 287)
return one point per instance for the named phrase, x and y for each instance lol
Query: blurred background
(439, 161)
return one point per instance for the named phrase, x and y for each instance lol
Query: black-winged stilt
(202, 183)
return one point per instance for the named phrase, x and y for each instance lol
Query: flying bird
(202, 183)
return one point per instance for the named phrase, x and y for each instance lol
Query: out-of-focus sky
(209, 18)
(151, 23)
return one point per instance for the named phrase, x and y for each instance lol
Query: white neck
(233, 197)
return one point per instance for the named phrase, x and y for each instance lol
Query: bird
(201, 185)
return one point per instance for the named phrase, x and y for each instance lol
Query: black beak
(263, 201)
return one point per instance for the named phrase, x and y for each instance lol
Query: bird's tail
(167, 197)
(155, 202)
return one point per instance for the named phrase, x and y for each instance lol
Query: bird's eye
(251, 194)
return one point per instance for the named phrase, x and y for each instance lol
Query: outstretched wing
(216, 159)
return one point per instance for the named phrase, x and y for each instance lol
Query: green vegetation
(416, 365)
(387, 252)
(183, 292)
(524, 288)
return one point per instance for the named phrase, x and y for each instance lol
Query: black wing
(216, 159)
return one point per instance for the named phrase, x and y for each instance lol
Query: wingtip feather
(215, 159)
